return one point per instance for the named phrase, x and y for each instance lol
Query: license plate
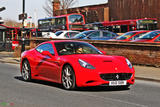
(117, 83)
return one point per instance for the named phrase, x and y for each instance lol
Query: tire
(26, 71)
(68, 78)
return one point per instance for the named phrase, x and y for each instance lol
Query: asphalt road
(16, 93)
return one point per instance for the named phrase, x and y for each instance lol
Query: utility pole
(23, 33)
(23, 12)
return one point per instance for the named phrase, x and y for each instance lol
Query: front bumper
(87, 77)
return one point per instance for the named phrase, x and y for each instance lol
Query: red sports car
(75, 64)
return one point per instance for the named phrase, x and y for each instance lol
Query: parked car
(96, 35)
(63, 34)
(75, 64)
(129, 36)
(48, 35)
(152, 36)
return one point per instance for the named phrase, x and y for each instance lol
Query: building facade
(92, 13)
(119, 10)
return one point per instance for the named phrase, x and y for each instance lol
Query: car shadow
(47, 83)
(101, 89)
(79, 89)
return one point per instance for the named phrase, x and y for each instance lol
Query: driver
(79, 50)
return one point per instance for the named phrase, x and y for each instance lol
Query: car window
(82, 34)
(70, 34)
(69, 48)
(150, 35)
(45, 47)
(67, 35)
(108, 35)
(125, 36)
(95, 34)
(158, 39)
(58, 33)
(137, 36)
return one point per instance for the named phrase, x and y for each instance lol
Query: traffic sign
(23, 16)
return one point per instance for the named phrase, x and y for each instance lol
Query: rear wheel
(26, 71)
(68, 78)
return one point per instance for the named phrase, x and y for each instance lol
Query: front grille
(116, 76)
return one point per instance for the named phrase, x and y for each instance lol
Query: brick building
(92, 13)
(118, 10)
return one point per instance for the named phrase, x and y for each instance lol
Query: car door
(47, 65)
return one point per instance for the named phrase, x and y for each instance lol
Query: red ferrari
(75, 64)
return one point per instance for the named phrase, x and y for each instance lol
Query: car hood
(103, 63)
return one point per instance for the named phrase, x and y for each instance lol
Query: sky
(34, 8)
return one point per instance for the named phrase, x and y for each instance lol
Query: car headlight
(85, 64)
(129, 63)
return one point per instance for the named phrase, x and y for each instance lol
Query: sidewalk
(141, 72)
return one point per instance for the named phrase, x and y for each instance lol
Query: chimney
(56, 6)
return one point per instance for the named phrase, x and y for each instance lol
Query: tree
(12, 23)
(64, 4)
(48, 8)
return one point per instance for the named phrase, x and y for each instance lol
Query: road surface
(14, 92)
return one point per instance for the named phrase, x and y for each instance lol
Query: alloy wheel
(68, 77)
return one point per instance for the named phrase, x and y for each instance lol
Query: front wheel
(68, 78)
(26, 71)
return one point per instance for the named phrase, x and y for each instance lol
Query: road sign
(23, 16)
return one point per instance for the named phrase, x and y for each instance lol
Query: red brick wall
(137, 53)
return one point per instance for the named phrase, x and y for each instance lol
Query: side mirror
(104, 53)
(47, 53)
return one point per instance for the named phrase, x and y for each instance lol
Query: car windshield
(69, 48)
(150, 35)
(82, 34)
(125, 36)
(58, 33)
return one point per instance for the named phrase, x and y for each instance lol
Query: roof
(91, 4)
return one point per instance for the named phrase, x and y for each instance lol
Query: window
(95, 35)
(60, 21)
(75, 19)
(70, 34)
(1, 36)
(137, 36)
(45, 47)
(69, 48)
(58, 33)
(125, 36)
(158, 39)
(150, 35)
(108, 35)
